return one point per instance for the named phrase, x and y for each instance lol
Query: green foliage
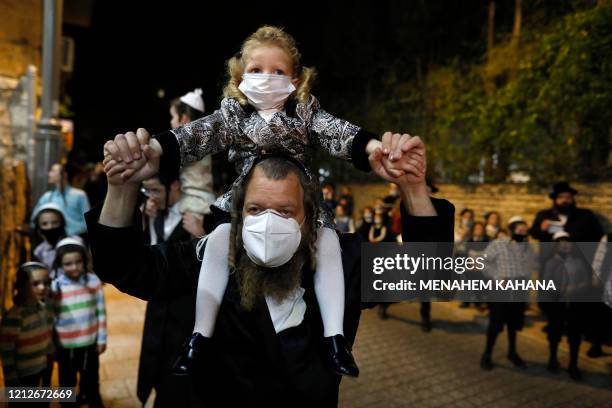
(553, 118)
(542, 107)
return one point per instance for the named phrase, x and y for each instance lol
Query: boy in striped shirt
(80, 321)
(26, 341)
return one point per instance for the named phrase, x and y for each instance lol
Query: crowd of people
(59, 313)
(557, 227)
(378, 222)
(575, 269)
(227, 276)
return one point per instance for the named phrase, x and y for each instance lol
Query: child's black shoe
(190, 354)
(340, 358)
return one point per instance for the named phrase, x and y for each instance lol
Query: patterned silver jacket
(245, 135)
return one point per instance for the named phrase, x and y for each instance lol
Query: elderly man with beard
(266, 348)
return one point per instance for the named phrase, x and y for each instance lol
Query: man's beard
(565, 208)
(255, 281)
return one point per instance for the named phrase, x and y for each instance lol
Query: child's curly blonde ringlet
(267, 36)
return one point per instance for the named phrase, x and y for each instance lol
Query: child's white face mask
(266, 91)
(269, 239)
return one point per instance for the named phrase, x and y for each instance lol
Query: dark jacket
(581, 225)
(250, 364)
(168, 323)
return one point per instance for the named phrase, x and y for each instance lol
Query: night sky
(128, 54)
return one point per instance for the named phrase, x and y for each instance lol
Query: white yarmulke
(194, 99)
(70, 241)
(516, 218)
(49, 206)
(560, 234)
(34, 263)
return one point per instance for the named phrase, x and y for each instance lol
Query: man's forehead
(278, 192)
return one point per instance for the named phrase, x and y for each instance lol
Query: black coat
(251, 364)
(582, 225)
(168, 322)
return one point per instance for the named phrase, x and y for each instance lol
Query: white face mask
(266, 91)
(269, 239)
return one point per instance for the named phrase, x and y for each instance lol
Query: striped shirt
(26, 338)
(80, 311)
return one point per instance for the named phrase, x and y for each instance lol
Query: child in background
(196, 178)
(50, 225)
(71, 200)
(26, 334)
(379, 232)
(492, 224)
(344, 223)
(367, 219)
(80, 322)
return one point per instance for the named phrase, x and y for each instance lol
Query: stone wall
(20, 36)
(507, 199)
(20, 46)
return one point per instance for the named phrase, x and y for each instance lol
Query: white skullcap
(516, 218)
(34, 263)
(49, 206)
(194, 99)
(560, 234)
(70, 241)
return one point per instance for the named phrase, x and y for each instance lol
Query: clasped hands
(134, 157)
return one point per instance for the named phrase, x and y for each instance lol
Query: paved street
(402, 366)
(119, 364)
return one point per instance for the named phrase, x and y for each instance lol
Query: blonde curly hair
(266, 36)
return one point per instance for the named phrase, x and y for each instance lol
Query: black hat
(562, 187)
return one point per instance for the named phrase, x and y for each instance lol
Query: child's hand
(411, 162)
(101, 348)
(395, 145)
(118, 173)
(130, 158)
(409, 168)
(114, 168)
(405, 153)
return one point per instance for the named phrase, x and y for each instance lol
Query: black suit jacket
(168, 323)
(582, 225)
(251, 364)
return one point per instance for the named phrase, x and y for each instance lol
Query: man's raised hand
(396, 145)
(131, 157)
(401, 158)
